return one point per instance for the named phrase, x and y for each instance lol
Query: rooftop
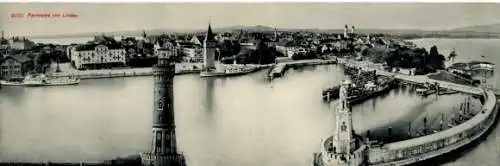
(19, 58)
(91, 46)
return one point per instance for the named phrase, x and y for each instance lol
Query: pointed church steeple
(210, 34)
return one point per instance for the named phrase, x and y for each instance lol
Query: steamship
(228, 70)
(41, 80)
(362, 93)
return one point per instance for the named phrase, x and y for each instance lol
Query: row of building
(15, 61)
(15, 43)
(98, 54)
(15, 66)
(106, 52)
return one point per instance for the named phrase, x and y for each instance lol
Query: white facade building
(85, 55)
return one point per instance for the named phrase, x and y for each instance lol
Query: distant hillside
(492, 28)
(256, 28)
(114, 33)
(486, 31)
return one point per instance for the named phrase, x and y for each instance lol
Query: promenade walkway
(417, 78)
(278, 70)
(67, 71)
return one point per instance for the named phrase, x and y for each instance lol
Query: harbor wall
(113, 74)
(426, 147)
(278, 70)
(182, 68)
(356, 158)
(311, 62)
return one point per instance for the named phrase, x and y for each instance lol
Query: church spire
(210, 34)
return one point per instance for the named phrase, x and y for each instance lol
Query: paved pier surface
(279, 69)
(421, 79)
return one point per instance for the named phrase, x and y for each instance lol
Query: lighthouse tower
(209, 45)
(343, 137)
(164, 144)
(342, 148)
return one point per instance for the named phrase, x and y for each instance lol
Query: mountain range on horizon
(491, 28)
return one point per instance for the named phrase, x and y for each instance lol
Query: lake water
(67, 40)
(244, 120)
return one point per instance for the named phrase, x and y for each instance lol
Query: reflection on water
(209, 92)
(220, 121)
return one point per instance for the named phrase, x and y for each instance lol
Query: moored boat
(61, 81)
(228, 72)
(361, 94)
(481, 65)
(41, 80)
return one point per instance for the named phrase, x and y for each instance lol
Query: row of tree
(263, 54)
(405, 57)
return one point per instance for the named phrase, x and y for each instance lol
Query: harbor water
(243, 120)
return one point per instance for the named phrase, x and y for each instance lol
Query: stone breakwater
(426, 147)
(278, 70)
(417, 149)
(421, 148)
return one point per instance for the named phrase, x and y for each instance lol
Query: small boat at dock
(425, 91)
(230, 71)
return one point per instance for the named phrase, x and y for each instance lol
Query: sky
(179, 16)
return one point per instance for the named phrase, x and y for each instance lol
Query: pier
(278, 70)
(358, 152)
(418, 79)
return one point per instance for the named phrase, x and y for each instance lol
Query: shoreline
(181, 69)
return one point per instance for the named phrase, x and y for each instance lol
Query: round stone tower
(209, 45)
(164, 144)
